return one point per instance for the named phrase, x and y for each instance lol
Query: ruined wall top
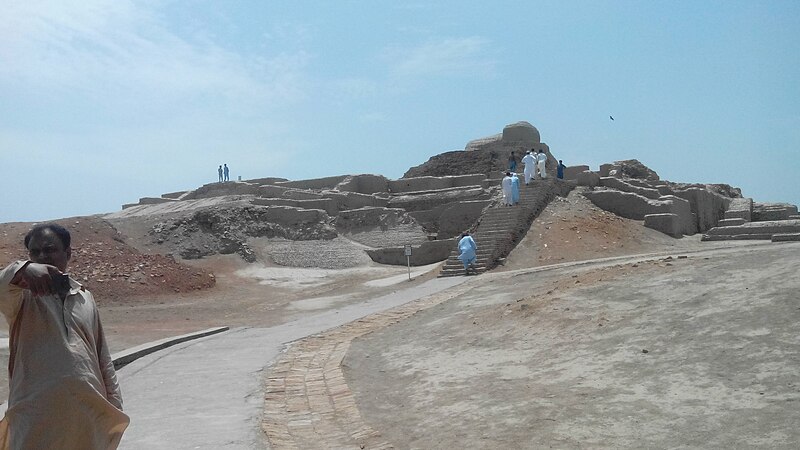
(513, 134)
(521, 132)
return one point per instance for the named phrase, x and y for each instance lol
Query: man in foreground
(63, 389)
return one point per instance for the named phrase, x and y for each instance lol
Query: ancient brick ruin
(452, 192)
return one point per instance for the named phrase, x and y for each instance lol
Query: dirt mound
(574, 229)
(109, 267)
(488, 162)
(632, 168)
(724, 190)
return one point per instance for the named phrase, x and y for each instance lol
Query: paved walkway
(209, 393)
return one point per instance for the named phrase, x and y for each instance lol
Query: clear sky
(103, 102)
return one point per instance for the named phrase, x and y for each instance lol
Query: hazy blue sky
(103, 102)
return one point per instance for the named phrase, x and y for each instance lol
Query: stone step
(500, 222)
(755, 230)
(731, 222)
(784, 237)
(460, 269)
(736, 237)
(460, 273)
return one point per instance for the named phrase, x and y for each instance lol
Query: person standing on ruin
(514, 188)
(225, 170)
(63, 390)
(219, 171)
(541, 162)
(467, 249)
(512, 162)
(529, 171)
(560, 170)
(506, 184)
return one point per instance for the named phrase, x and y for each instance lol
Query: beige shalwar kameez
(63, 389)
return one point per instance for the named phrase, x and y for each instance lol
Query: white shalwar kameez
(530, 167)
(507, 190)
(541, 159)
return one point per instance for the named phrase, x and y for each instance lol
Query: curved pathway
(209, 393)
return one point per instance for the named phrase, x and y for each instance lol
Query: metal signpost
(408, 260)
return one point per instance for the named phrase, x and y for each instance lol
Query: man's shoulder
(83, 291)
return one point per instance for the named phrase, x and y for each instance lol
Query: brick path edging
(307, 401)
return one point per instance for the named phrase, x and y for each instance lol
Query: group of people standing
(510, 186)
(534, 162)
(224, 174)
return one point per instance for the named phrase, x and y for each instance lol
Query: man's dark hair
(59, 231)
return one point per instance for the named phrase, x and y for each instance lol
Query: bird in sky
(611, 117)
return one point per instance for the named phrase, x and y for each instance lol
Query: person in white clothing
(541, 161)
(530, 167)
(507, 189)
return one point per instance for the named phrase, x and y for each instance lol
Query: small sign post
(408, 259)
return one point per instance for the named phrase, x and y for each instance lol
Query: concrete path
(209, 393)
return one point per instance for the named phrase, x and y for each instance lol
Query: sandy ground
(696, 352)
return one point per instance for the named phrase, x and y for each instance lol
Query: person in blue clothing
(225, 170)
(467, 247)
(560, 170)
(514, 188)
(512, 162)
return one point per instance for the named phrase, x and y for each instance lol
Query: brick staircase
(500, 228)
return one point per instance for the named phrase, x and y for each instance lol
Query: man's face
(47, 248)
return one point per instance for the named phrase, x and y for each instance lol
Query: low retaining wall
(328, 205)
(623, 185)
(708, 207)
(430, 200)
(126, 357)
(636, 207)
(758, 228)
(314, 183)
(354, 200)
(571, 172)
(740, 208)
(424, 254)
(364, 184)
(419, 184)
(588, 178)
(666, 223)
